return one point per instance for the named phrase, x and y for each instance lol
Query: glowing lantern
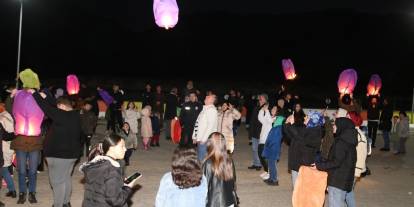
(165, 13)
(27, 114)
(108, 99)
(288, 69)
(374, 85)
(29, 79)
(72, 84)
(347, 81)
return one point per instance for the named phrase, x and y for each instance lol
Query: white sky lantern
(166, 13)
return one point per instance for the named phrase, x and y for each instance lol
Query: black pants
(115, 118)
(186, 139)
(262, 159)
(372, 131)
(128, 154)
(87, 144)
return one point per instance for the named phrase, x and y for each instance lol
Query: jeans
(372, 131)
(336, 197)
(272, 169)
(386, 136)
(22, 159)
(60, 179)
(262, 159)
(350, 197)
(7, 177)
(255, 146)
(294, 175)
(202, 151)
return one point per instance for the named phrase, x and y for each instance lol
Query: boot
(11, 194)
(22, 198)
(32, 198)
(67, 205)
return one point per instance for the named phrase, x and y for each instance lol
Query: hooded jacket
(342, 157)
(146, 126)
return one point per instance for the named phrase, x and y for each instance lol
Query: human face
(224, 106)
(125, 127)
(131, 105)
(158, 89)
(193, 97)
(281, 103)
(148, 87)
(118, 151)
(298, 107)
(115, 87)
(262, 100)
(210, 100)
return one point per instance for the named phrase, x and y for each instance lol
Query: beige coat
(7, 121)
(132, 116)
(361, 149)
(146, 127)
(225, 121)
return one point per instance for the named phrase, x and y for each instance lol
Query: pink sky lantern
(27, 114)
(288, 69)
(165, 13)
(72, 84)
(347, 81)
(374, 85)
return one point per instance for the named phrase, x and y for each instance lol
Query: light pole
(20, 43)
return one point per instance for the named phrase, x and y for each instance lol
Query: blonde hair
(222, 165)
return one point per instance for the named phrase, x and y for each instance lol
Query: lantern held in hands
(374, 85)
(108, 99)
(72, 84)
(288, 69)
(165, 13)
(28, 116)
(347, 81)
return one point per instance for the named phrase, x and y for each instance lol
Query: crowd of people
(202, 169)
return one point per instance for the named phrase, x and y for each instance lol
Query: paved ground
(391, 182)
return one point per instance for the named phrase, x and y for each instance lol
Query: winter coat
(146, 126)
(104, 186)
(403, 127)
(188, 117)
(255, 125)
(273, 143)
(373, 113)
(132, 116)
(266, 120)
(158, 104)
(385, 119)
(294, 135)
(129, 138)
(225, 121)
(206, 123)
(327, 139)
(342, 157)
(220, 192)
(88, 121)
(171, 104)
(362, 152)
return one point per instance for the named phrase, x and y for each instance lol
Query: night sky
(216, 37)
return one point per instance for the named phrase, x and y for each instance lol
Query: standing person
(130, 140)
(170, 111)
(220, 172)
(283, 108)
(266, 118)
(146, 126)
(341, 162)
(185, 185)
(254, 130)
(131, 115)
(235, 100)
(147, 96)
(188, 117)
(156, 129)
(104, 183)
(403, 132)
(88, 121)
(116, 108)
(158, 105)
(385, 124)
(62, 146)
(289, 103)
(373, 119)
(272, 147)
(226, 117)
(189, 88)
(6, 154)
(205, 125)
(393, 134)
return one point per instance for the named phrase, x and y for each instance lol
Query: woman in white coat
(266, 118)
(227, 114)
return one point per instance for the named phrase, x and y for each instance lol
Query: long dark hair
(186, 169)
(222, 165)
(103, 147)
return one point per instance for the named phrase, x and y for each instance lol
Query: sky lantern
(72, 84)
(288, 69)
(374, 85)
(29, 79)
(165, 13)
(108, 99)
(28, 116)
(347, 81)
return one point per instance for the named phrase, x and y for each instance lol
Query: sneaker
(271, 182)
(265, 176)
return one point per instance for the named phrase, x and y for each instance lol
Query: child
(393, 133)
(155, 121)
(146, 126)
(130, 141)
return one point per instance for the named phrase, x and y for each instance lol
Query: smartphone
(132, 177)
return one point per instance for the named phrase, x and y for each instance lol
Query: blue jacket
(272, 146)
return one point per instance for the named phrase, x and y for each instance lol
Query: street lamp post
(20, 43)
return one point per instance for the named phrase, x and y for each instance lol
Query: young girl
(226, 116)
(156, 131)
(146, 126)
(220, 172)
(130, 141)
(6, 134)
(131, 115)
(104, 184)
(403, 132)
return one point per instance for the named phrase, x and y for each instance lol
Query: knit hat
(315, 119)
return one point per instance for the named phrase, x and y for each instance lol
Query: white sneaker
(264, 176)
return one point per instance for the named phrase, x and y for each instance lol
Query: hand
(43, 95)
(131, 184)
(194, 141)
(13, 93)
(31, 90)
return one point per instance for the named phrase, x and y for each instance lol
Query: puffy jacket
(342, 157)
(225, 121)
(104, 186)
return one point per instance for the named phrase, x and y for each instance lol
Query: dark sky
(216, 37)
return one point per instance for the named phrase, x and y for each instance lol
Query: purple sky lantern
(108, 99)
(288, 69)
(347, 81)
(374, 85)
(27, 114)
(166, 13)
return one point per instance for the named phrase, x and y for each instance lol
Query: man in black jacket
(386, 124)
(188, 117)
(341, 162)
(373, 115)
(170, 111)
(62, 145)
(116, 108)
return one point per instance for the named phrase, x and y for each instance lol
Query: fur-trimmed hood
(97, 161)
